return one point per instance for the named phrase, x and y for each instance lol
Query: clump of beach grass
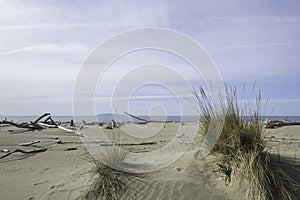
(242, 144)
(109, 182)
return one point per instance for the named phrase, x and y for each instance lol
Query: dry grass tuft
(242, 144)
(110, 183)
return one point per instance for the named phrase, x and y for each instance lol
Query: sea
(125, 118)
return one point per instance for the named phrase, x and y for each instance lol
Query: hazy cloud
(44, 44)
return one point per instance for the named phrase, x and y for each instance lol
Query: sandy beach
(62, 171)
(192, 99)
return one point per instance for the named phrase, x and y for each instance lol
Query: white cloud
(69, 47)
(19, 16)
(284, 100)
(12, 11)
(237, 20)
(20, 27)
(240, 46)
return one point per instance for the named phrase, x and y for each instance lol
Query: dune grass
(242, 144)
(109, 183)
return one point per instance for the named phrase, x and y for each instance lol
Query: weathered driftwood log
(137, 144)
(278, 123)
(71, 148)
(50, 121)
(37, 150)
(126, 144)
(31, 126)
(47, 125)
(138, 118)
(29, 143)
(41, 117)
(145, 121)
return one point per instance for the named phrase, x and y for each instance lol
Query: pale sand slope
(284, 144)
(285, 141)
(60, 174)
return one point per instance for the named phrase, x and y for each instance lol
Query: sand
(61, 174)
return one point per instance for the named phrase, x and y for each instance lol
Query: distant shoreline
(109, 117)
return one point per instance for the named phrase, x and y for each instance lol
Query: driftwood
(138, 118)
(50, 121)
(145, 121)
(136, 144)
(71, 148)
(29, 143)
(41, 117)
(126, 144)
(278, 123)
(30, 126)
(141, 122)
(47, 125)
(113, 125)
(109, 127)
(65, 129)
(37, 150)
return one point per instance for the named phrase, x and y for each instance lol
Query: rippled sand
(61, 174)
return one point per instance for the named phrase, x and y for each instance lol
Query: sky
(45, 43)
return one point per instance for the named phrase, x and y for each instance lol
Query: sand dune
(61, 174)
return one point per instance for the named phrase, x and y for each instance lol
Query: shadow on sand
(289, 170)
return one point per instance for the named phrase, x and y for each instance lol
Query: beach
(142, 100)
(63, 170)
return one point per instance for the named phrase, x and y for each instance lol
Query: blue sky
(44, 43)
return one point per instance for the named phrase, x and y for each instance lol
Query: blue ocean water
(102, 118)
(125, 118)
